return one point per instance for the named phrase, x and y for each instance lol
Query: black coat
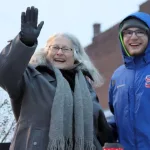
(31, 91)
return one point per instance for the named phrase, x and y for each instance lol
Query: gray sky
(73, 16)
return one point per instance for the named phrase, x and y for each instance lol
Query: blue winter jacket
(129, 97)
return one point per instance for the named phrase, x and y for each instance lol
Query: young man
(129, 93)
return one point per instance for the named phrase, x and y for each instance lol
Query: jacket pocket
(35, 139)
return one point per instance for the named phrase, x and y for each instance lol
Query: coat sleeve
(111, 121)
(103, 130)
(110, 100)
(14, 59)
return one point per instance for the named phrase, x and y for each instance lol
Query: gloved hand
(113, 146)
(29, 28)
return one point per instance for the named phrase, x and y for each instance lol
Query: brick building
(106, 55)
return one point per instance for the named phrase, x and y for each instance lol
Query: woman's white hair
(82, 60)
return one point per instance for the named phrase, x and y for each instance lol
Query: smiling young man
(129, 92)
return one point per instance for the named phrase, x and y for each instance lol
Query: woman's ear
(76, 62)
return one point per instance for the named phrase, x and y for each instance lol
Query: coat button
(34, 143)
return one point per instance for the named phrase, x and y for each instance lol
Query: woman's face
(60, 53)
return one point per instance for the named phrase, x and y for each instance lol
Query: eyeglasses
(55, 48)
(138, 33)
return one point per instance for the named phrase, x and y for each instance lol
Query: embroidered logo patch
(147, 81)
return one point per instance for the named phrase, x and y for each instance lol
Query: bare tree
(7, 120)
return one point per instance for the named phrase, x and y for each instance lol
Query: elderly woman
(53, 101)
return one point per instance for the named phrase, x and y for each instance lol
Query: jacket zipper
(134, 112)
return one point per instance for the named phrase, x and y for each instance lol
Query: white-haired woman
(54, 103)
(71, 54)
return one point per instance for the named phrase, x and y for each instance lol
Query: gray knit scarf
(68, 132)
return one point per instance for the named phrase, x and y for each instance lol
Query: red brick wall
(106, 55)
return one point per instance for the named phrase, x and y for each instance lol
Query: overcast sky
(73, 16)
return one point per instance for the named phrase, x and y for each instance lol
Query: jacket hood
(145, 58)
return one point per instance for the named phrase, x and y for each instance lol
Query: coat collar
(46, 71)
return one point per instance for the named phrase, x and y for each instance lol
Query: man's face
(135, 40)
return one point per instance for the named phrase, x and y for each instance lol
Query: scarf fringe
(67, 144)
(79, 144)
(89, 146)
(60, 144)
(56, 144)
